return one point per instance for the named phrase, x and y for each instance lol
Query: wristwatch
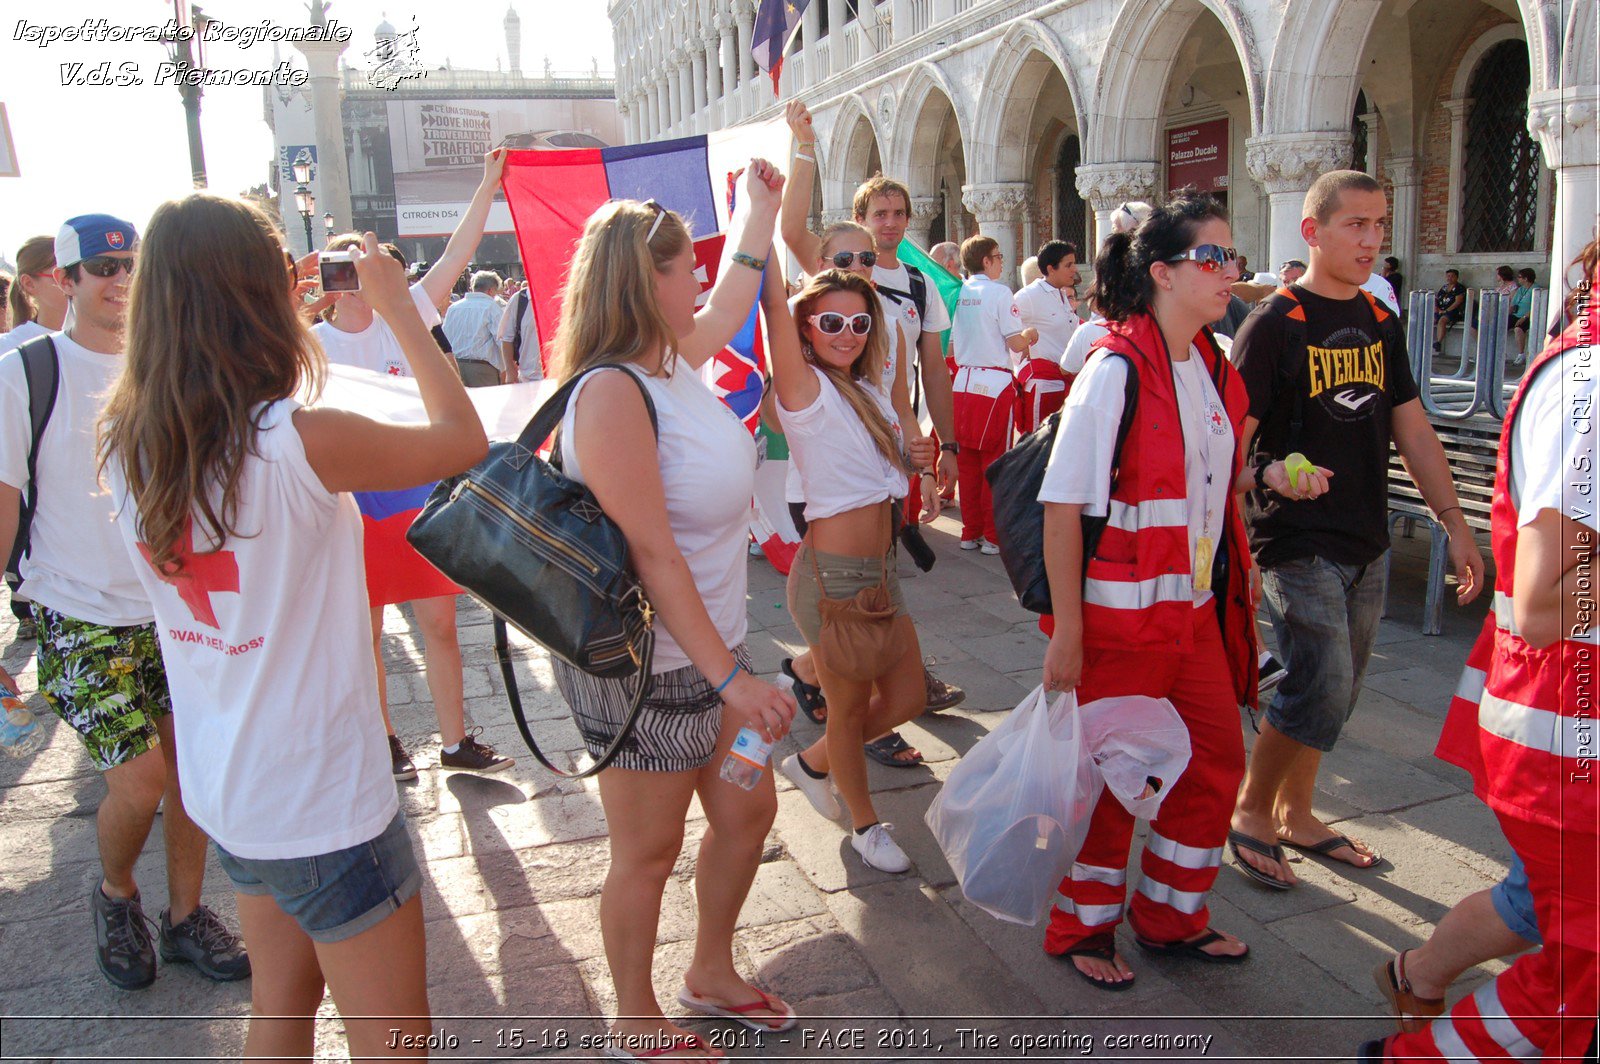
(952, 447)
(1262, 461)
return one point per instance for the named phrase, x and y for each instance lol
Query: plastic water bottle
(747, 760)
(20, 734)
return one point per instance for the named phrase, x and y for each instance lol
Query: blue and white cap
(88, 235)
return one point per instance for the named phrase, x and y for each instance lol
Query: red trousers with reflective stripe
(1553, 992)
(977, 503)
(1193, 823)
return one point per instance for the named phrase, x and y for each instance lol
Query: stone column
(713, 62)
(1458, 140)
(816, 63)
(1566, 124)
(1107, 186)
(742, 55)
(697, 76)
(943, 9)
(1404, 214)
(658, 108)
(924, 209)
(836, 27)
(686, 94)
(1285, 165)
(998, 208)
(333, 168)
(728, 49)
(675, 97)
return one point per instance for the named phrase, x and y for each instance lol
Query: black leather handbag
(535, 547)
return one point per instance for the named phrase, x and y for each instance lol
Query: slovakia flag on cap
(88, 235)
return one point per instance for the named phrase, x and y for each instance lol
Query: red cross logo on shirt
(199, 576)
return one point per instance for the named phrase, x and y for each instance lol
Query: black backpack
(918, 294)
(1014, 481)
(43, 371)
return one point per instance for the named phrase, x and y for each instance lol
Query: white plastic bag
(1132, 738)
(1013, 814)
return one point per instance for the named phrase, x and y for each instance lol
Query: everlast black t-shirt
(1353, 373)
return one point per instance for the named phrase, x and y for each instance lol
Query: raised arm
(793, 382)
(760, 189)
(349, 452)
(802, 241)
(441, 276)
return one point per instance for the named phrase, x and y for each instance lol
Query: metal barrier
(1484, 344)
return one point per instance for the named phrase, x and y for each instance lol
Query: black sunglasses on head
(106, 265)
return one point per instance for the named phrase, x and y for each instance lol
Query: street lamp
(304, 201)
(327, 224)
(186, 52)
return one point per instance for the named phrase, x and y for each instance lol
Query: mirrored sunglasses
(106, 265)
(842, 260)
(1209, 257)
(832, 324)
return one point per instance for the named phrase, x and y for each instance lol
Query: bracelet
(1446, 510)
(746, 259)
(729, 680)
(1262, 461)
(926, 473)
(808, 158)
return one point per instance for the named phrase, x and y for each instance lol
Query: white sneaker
(971, 544)
(818, 792)
(879, 850)
(990, 548)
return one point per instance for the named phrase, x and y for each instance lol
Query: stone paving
(880, 966)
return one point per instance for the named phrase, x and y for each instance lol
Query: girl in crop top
(854, 456)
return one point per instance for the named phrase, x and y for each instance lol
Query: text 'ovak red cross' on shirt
(199, 576)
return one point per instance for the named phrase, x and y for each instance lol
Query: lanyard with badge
(1204, 544)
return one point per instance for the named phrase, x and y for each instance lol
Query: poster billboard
(8, 152)
(437, 149)
(1197, 154)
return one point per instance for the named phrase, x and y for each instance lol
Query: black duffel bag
(535, 547)
(1014, 482)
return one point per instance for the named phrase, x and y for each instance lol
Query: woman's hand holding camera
(759, 706)
(383, 279)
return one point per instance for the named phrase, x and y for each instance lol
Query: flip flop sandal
(741, 1013)
(1411, 1012)
(1327, 846)
(1237, 839)
(1101, 947)
(1194, 949)
(883, 751)
(808, 696)
(692, 1043)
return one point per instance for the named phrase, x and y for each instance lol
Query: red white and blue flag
(777, 21)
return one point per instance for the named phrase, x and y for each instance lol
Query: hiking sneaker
(990, 548)
(1272, 674)
(941, 695)
(475, 756)
(808, 696)
(204, 941)
(818, 792)
(124, 948)
(404, 768)
(879, 850)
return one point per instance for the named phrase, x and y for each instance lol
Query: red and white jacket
(1523, 719)
(1138, 592)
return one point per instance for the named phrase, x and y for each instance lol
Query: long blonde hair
(37, 255)
(609, 311)
(212, 334)
(867, 369)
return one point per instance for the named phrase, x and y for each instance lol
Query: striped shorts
(678, 722)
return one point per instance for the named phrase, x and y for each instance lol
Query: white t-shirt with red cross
(986, 316)
(268, 650)
(376, 347)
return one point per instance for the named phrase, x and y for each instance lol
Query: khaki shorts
(842, 577)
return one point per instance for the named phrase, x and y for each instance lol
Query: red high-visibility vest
(1523, 719)
(1138, 591)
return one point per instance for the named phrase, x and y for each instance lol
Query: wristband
(812, 159)
(1440, 515)
(729, 680)
(953, 448)
(746, 259)
(1262, 461)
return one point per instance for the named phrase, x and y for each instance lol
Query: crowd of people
(194, 567)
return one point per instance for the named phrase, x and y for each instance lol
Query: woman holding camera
(848, 443)
(1160, 606)
(681, 494)
(236, 503)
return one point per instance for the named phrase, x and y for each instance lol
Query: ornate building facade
(1028, 119)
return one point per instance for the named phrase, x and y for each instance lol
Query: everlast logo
(1337, 366)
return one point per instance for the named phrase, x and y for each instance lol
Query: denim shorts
(1325, 617)
(335, 896)
(1513, 900)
